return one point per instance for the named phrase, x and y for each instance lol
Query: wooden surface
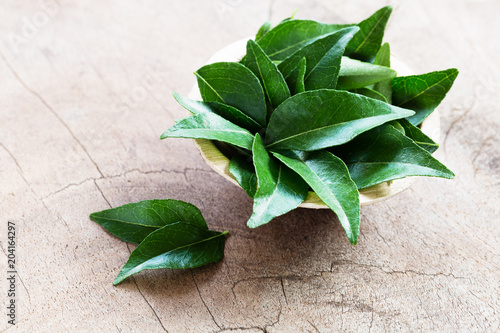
(85, 95)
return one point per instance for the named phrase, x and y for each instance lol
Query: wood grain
(85, 94)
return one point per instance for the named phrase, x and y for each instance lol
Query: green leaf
(225, 111)
(370, 93)
(317, 119)
(244, 173)
(323, 58)
(233, 84)
(422, 93)
(133, 222)
(295, 79)
(328, 177)
(419, 137)
(366, 43)
(279, 189)
(264, 29)
(291, 35)
(383, 58)
(212, 127)
(271, 79)
(177, 245)
(357, 74)
(384, 154)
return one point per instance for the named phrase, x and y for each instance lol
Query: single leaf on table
(370, 93)
(233, 84)
(384, 154)
(383, 58)
(323, 58)
(291, 35)
(264, 29)
(212, 127)
(419, 137)
(295, 79)
(225, 111)
(279, 189)
(244, 173)
(178, 245)
(329, 178)
(422, 93)
(275, 88)
(366, 43)
(317, 119)
(134, 221)
(357, 74)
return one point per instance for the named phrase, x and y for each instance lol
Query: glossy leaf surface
(329, 178)
(279, 189)
(244, 173)
(419, 137)
(295, 79)
(264, 29)
(210, 126)
(357, 74)
(383, 58)
(422, 93)
(323, 118)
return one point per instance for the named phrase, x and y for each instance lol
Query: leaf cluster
(315, 106)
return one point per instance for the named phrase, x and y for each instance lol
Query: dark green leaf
(397, 125)
(329, 178)
(233, 84)
(133, 222)
(275, 87)
(323, 58)
(227, 112)
(244, 173)
(212, 127)
(177, 245)
(357, 74)
(384, 154)
(366, 43)
(317, 119)
(291, 35)
(279, 189)
(370, 93)
(295, 79)
(383, 58)
(419, 137)
(264, 29)
(422, 93)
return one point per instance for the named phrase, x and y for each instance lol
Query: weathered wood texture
(85, 94)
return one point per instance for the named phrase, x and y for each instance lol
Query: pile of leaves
(310, 107)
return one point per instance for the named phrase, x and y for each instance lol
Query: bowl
(220, 163)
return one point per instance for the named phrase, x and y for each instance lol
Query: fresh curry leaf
(295, 79)
(264, 29)
(227, 112)
(370, 93)
(177, 245)
(244, 173)
(271, 79)
(134, 221)
(233, 84)
(210, 126)
(329, 178)
(323, 58)
(422, 93)
(317, 119)
(279, 189)
(366, 43)
(383, 58)
(419, 137)
(357, 74)
(384, 154)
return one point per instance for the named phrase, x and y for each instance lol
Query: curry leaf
(383, 58)
(384, 154)
(329, 178)
(244, 173)
(279, 189)
(233, 84)
(271, 79)
(133, 222)
(366, 43)
(295, 79)
(323, 58)
(317, 119)
(357, 74)
(210, 126)
(419, 137)
(370, 93)
(177, 245)
(264, 29)
(422, 93)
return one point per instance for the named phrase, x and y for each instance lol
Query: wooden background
(85, 91)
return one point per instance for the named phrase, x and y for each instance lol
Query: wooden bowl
(220, 163)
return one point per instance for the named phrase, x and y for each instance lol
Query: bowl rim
(220, 163)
